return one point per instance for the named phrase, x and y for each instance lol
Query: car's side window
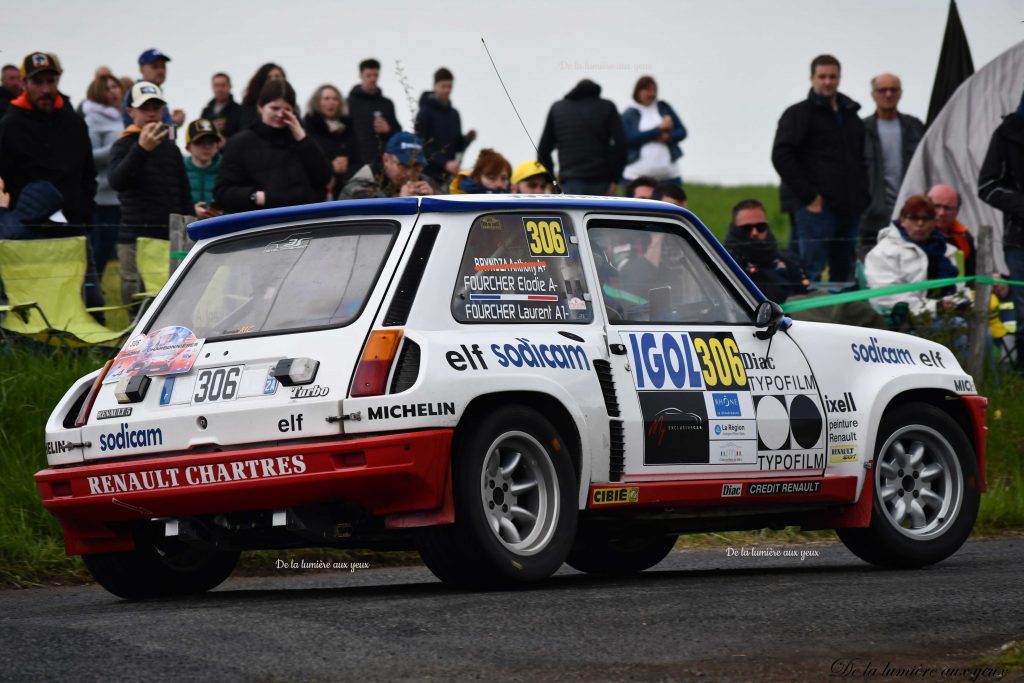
(522, 268)
(653, 273)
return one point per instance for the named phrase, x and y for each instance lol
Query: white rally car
(505, 384)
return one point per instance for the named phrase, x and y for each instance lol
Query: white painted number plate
(217, 384)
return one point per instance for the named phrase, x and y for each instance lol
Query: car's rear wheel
(926, 496)
(515, 504)
(160, 567)
(597, 553)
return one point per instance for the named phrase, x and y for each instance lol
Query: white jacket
(896, 261)
(105, 127)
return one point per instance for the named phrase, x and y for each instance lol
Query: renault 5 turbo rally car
(504, 384)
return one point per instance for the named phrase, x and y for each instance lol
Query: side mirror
(767, 315)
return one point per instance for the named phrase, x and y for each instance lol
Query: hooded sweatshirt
(588, 134)
(105, 127)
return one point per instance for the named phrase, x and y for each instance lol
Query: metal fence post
(979, 339)
(180, 242)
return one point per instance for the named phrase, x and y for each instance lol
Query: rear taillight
(371, 377)
(83, 414)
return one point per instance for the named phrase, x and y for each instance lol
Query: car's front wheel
(515, 504)
(926, 496)
(160, 567)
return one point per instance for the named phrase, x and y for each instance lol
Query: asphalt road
(707, 616)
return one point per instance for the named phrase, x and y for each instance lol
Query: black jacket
(1001, 179)
(367, 146)
(588, 134)
(269, 159)
(879, 213)
(439, 126)
(231, 114)
(150, 186)
(819, 151)
(337, 144)
(51, 146)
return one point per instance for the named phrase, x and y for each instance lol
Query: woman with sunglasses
(911, 250)
(750, 241)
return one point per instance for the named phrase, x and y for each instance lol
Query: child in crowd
(202, 140)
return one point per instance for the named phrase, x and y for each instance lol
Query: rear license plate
(217, 384)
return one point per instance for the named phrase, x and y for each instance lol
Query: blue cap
(152, 55)
(407, 147)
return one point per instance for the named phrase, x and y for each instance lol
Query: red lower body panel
(404, 475)
(723, 492)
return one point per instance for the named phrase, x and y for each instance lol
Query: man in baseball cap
(153, 67)
(42, 138)
(403, 163)
(148, 173)
(530, 177)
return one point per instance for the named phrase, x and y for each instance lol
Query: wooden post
(980, 339)
(180, 241)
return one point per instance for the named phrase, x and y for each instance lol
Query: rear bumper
(392, 476)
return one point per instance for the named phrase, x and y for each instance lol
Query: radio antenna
(498, 74)
(554, 181)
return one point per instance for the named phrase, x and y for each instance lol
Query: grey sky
(729, 67)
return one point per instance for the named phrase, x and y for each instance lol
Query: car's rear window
(279, 281)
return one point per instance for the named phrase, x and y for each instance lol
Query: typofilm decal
(790, 432)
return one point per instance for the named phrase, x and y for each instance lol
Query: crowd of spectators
(114, 165)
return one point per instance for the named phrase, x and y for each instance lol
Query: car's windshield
(284, 280)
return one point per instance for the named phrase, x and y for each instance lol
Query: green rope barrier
(864, 294)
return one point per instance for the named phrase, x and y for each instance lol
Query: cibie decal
(529, 355)
(621, 494)
(127, 438)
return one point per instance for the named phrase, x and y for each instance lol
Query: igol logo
(664, 360)
(131, 438)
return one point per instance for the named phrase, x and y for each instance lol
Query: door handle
(617, 349)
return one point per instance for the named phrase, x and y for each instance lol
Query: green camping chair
(153, 259)
(43, 283)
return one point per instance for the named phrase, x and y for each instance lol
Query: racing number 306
(720, 358)
(217, 385)
(546, 237)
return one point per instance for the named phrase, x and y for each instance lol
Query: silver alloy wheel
(919, 482)
(519, 493)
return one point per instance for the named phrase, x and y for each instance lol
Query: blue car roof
(409, 206)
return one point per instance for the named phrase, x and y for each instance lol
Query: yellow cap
(528, 169)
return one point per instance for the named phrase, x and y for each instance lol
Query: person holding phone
(273, 163)
(148, 173)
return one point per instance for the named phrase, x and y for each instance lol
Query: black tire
(472, 553)
(596, 553)
(160, 568)
(945, 478)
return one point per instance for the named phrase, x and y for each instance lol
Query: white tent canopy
(954, 147)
